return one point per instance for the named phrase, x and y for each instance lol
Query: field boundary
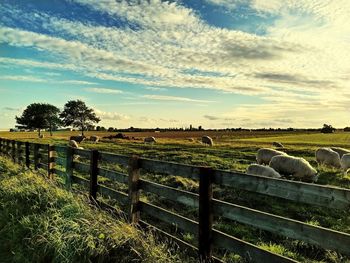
(62, 161)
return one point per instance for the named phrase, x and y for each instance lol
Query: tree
(327, 128)
(39, 116)
(77, 114)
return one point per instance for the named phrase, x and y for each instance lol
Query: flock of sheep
(271, 162)
(275, 163)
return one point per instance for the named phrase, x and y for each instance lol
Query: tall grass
(40, 222)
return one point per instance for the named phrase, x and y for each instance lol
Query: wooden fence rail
(63, 161)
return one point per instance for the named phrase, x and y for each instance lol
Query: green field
(40, 222)
(235, 151)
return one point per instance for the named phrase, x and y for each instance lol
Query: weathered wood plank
(173, 194)
(170, 168)
(69, 166)
(27, 154)
(114, 194)
(166, 216)
(249, 252)
(81, 167)
(82, 181)
(313, 194)
(114, 158)
(82, 153)
(323, 237)
(113, 175)
(133, 187)
(93, 174)
(205, 218)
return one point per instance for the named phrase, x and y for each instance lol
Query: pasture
(234, 151)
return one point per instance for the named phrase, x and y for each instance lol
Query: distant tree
(327, 128)
(39, 116)
(77, 114)
(110, 129)
(347, 129)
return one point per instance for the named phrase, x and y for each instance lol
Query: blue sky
(215, 63)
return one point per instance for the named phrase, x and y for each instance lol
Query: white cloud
(77, 82)
(22, 78)
(104, 90)
(111, 115)
(175, 98)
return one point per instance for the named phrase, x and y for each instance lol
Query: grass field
(40, 222)
(235, 151)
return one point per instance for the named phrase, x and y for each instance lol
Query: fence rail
(63, 161)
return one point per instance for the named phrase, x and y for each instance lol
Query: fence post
(50, 161)
(69, 166)
(27, 153)
(19, 152)
(93, 174)
(134, 193)
(8, 148)
(1, 144)
(36, 156)
(205, 237)
(13, 150)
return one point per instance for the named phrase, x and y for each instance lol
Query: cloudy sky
(147, 63)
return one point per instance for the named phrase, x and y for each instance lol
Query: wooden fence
(50, 158)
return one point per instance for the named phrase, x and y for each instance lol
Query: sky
(152, 63)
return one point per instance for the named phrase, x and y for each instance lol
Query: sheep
(149, 140)
(264, 155)
(94, 138)
(345, 163)
(327, 157)
(73, 144)
(78, 138)
(207, 140)
(262, 170)
(277, 144)
(340, 151)
(41, 136)
(297, 167)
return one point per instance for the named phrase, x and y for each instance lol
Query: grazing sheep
(264, 155)
(345, 163)
(94, 138)
(73, 144)
(78, 138)
(277, 144)
(149, 140)
(207, 140)
(340, 151)
(41, 136)
(298, 168)
(262, 170)
(327, 157)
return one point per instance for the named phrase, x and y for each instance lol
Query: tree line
(41, 116)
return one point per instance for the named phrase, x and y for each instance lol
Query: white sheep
(78, 138)
(340, 151)
(94, 138)
(264, 155)
(262, 170)
(73, 144)
(207, 140)
(345, 163)
(149, 140)
(327, 156)
(298, 168)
